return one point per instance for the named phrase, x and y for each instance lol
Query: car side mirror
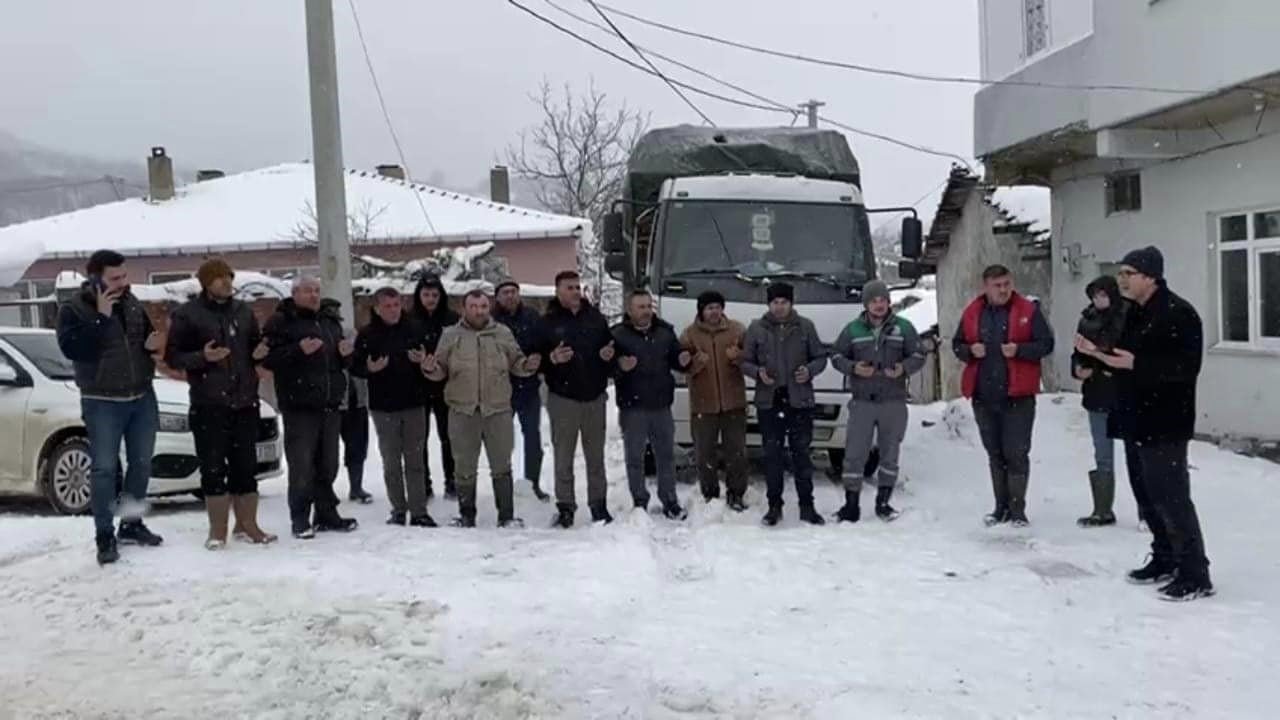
(9, 375)
(615, 264)
(611, 234)
(912, 238)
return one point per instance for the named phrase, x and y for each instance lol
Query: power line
(649, 62)
(109, 179)
(871, 69)
(900, 213)
(386, 115)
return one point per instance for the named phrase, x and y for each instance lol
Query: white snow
(16, 255)
(264, 209)
(1027, 204)
(919, 305)
(933, 616)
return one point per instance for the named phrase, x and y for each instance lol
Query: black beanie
(505, 282)
(710, 297)
(1148, 261)
(781, 290)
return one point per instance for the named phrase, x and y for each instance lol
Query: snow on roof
(919, 305)
(16, 255)
(264, 209)
(1024, 205)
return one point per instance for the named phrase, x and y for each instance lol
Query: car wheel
(66, 481)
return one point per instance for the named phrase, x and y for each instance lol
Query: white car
(45, 451)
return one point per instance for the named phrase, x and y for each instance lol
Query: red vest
(1024, 375)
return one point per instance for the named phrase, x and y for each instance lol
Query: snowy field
(933, 616)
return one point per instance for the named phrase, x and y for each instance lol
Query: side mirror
(910, 270)
(8, 375)
(615, 264)
(611, 234)
(912, 238)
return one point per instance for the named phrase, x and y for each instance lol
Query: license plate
(267, 453)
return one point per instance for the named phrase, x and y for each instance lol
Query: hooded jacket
(231, 383)
(781, 347)
(585, 377)
(477, 364)
(650, 384)
(1104, 328)
(715, 385)
(430, 325)
(400, 385)
(109, 353)
(306, 383)
(893, 342)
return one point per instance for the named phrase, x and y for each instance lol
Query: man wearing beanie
(215, 340)
(1156, 363)
(717, 400)
(878, 352)
(526, 398)
(1001, 339)
(783, 355)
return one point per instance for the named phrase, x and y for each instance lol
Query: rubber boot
(246, 508)
(1018, 500)
(850, 513)
(219, 508)
(1103, 488)
(1000, 489)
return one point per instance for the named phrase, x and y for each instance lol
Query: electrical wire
(386, 115)
(75, 183)
(900, 213)
(617, 31)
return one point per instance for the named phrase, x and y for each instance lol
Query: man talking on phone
(104, 330)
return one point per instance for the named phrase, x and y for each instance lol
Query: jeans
(1161, 484)
(108, 423)
(1104, 449)
(227, 445)
(655, 428)
(528, 407)
(311, 450)
(794, 427)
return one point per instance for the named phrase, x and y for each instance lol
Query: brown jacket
(716, 383)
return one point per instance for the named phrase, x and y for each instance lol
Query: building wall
(1239, 390)
(1002, 40)
(973, 247)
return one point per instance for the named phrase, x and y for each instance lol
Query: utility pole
(326, 148)
(812, 108)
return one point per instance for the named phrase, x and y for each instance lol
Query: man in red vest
(1001, 339)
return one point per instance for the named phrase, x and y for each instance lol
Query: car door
(15, 395)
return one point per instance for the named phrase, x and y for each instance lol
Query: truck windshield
(825, 242)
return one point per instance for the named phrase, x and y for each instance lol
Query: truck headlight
(174, 423)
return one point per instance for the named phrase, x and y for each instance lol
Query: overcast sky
(224, 85)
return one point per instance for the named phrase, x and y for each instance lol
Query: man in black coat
(430, 315)
(1157, 362)
(215, 340)
(309, 355)
(648, 350)
(526, 398)
(575, 338)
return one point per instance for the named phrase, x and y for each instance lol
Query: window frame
(1109, 191)
(1253, 247)
(172, 275)
(1027, 54)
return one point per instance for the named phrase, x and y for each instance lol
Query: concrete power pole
(811, 108)
(326, 147)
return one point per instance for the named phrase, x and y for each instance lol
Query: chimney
(160, 175)
(392, 171)
(203, 175)
(500, 185)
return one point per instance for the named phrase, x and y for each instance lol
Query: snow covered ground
(933, 616)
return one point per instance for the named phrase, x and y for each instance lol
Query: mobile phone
(96, 282)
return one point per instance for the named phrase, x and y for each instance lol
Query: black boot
(355, 478)
(1103, 487)
(397, 518)
(1018, 501)
(600, 513)
(464, 521)
(884, 510)
(564, 516)
(673, 511)
(538, 492)
(735, 502)
(850, 513)
(107, 551)
(1184, 589)
(330, 521)
(423, 521)
(772, 517)
(1156, 570)
(998, 516)
(450, 490)
(133, 532)
(809, 515)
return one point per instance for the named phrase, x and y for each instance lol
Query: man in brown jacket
(476, 357)
(717, 399)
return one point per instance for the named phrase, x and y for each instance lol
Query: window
(1249, 279)
(160, 278)
(1035, 27)
(1124, 192)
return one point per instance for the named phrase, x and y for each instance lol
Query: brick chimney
(392, 171)
(160, 175)
(500, 185)
(203, 175)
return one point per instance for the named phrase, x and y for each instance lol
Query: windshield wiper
(726, 272)
(823, 278)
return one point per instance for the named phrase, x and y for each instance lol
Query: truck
(735, 210)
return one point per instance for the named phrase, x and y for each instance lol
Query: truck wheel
(66, 476)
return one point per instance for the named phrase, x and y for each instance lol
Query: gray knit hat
(874, 289)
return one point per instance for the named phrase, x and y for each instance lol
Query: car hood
(174, 396)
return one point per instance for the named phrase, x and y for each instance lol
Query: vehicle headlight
(174, 423)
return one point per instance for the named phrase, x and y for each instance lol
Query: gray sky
(223, 84)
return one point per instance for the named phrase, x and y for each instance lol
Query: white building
(1190, 163)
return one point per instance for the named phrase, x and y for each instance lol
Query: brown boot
(247, 519)
(218, 507)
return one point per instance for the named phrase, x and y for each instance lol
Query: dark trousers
(226, 443)
(311, 449)
(1161, 484)
(527, 405)
(355, 445)
(794, 427)
(643, 428)
(1005, 428)
(437, 406)
(719, 436)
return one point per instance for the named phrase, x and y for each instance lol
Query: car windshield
(43, 352)
(761, 239)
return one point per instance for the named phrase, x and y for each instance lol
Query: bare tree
(362, 222)
(576, 156)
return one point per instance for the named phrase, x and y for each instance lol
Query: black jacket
(650, 384)
(400, 385)
(523, 323)
(585, 377)
(1103, 328)
(1156, 401)
(430, 325)
(304, 382)
(231, 383)
(109, 354)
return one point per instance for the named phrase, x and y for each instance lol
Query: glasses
(1127, 273)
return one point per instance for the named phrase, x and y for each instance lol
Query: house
(264, 221)
(1152, 122)
(977, 225)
